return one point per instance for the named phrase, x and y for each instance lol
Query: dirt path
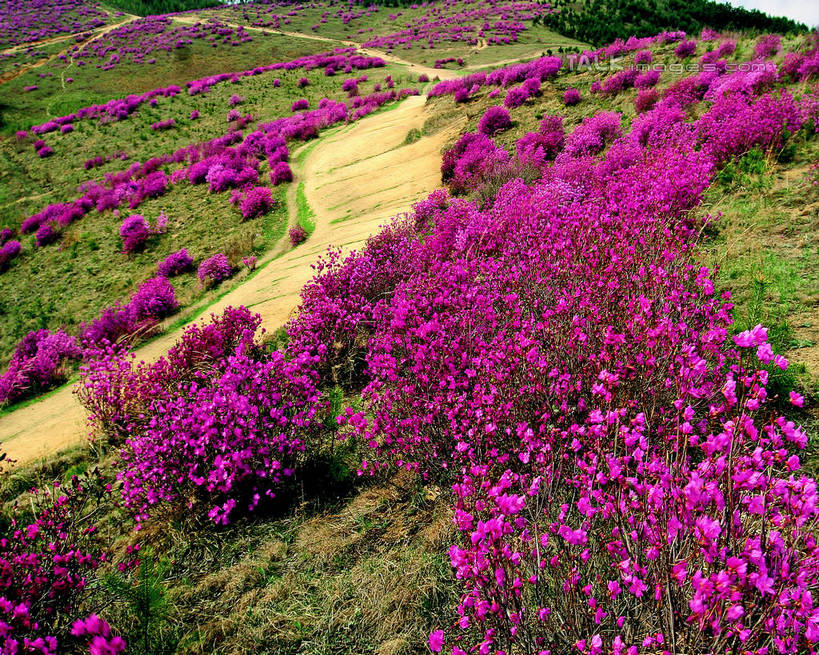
(370, 52)
(355, 178)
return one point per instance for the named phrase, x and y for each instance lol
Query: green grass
(531, 43)
(54, 97)
(87, 273)
(305, 215)
(767, 256)
(341, 564)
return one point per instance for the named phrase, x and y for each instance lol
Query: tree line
(154, 7)
(602, 21)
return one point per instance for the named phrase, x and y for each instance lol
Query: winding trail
(355, 178)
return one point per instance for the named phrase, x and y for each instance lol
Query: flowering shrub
(619, 81)
(591, 136)
(648, 79)
(164, 125)
(494, 120)
(45, 235)
(645, 100)
(280, 173)
(102, 641)
(297, 235)
(767, 46)
(470, 161)
(41, 360)
(45, 561)
(116, 391)
(176, 263)
(152, 301)
(93, 163)
(537, 148)
(256, 202)
(571, 97)
(261, 411)
(686, 48)
(217, 391)
(350, 86)
(250, 262)
(735, 123)
(518, 95)
(214, 269)
(134, 232)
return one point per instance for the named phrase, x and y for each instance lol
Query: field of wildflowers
(534, 396)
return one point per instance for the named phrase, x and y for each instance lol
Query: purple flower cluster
(767, 46)
(214, 269)
(22, 21)
(494, 120)
(41, 360)
(134, 232)
(280, 173)
(151, 302)
(537, 148)
(472, 159)
(297, 235)
(686, 48)
(231, 421)
(44, 566)
(101, 640)
(571, 97)
(259, 200)
(8, 251)
(166, 124)
(175, 264)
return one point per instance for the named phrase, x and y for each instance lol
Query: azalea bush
(47, 560)
(116, 390)
(40, 361)
(217, 391)
(214, 269)
(494, 120)
(257, 201)
(175, 264)
(134, 232)
(153, 300)
(472, 159)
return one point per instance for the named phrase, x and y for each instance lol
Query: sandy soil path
(440, 73)
(355, 178)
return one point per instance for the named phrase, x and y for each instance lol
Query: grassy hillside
(538, 413)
